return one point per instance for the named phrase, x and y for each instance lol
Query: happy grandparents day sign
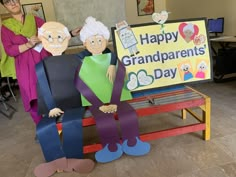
(163, 54)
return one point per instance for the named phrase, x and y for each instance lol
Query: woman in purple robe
(19, 38)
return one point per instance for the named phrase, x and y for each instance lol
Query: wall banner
(155, 55)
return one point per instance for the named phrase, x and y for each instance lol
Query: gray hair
(93, 27)
(189, 27)
(42, 29)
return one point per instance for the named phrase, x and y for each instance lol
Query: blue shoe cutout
(140, 148)
(105, 155)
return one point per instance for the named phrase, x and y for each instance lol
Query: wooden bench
(161, 101)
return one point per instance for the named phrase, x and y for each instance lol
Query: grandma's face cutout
(55, 37)
(96, 44)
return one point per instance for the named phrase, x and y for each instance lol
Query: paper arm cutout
(44, 86)
(111, 73)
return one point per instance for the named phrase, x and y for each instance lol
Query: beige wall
(181, 9)
(132, 15)
(47, 7)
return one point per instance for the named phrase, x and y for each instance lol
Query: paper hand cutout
(76, 31)
(55, 112)
(111, 73)
(112, 108)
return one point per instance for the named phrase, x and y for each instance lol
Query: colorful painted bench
(165, 100)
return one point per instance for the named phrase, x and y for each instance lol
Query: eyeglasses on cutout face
(58, 38)
(9, 2)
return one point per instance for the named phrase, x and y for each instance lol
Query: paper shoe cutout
(161, 17)
(139, 80)
(62, 164)
(139, 149)
(105, 155)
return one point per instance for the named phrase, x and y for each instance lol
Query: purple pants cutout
(107, 127)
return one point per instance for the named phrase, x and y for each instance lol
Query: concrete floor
(181, 156)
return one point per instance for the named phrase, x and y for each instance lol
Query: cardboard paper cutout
(188, 31)
(160, 18)
(138, 80)
(96, 66)
(103, 113)
(160, 54)
(127, 37)
(186, 70)
(199, 40)
(66, 156)
(201, 68)
(55, 37)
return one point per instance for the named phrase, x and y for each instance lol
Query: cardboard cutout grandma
(106, 97)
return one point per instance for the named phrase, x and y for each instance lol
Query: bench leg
(207, 119)
(184, 113)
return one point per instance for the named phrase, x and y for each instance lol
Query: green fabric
(93, 73)
(7, 65)
(27, 29)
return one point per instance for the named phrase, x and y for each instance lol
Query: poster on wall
(35, 9)
(153, 58)
(145, 7)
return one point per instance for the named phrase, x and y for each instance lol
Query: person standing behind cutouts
(19, 39)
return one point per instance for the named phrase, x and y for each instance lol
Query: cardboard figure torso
(93, 73)
(60, 71)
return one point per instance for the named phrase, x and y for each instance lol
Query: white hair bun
(90, 20)
(93, 27)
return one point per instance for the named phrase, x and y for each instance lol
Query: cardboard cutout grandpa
(107, 97)
(58, 97)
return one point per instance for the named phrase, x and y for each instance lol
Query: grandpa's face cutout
(55, 37)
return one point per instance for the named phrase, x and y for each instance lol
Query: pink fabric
(200, 74)
(34, 112)
(25, 63)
